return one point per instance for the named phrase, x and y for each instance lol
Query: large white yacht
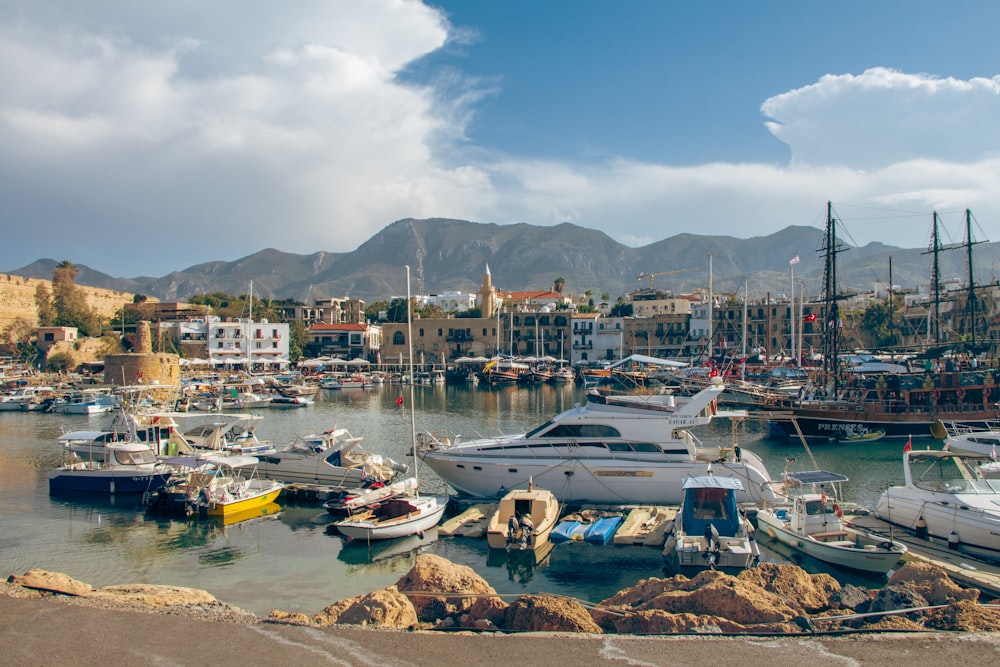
(612, 449)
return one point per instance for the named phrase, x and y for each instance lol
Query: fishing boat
(86, 402)
(539, 505)
(404, 515)
(26, 399)
(612, 449)
(214, 486)
(125, 467)
(943, 497)
(813, 526)
(710, 531)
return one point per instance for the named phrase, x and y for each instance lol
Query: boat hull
(853, 551)
(430, 511)
(977, 531)
(106, 481)
(238, 507)
(593, 480)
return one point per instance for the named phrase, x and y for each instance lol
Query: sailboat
(407, 514)
(897, 405)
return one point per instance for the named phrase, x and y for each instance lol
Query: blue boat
(563, 532)
(602, 530)
(128, 467)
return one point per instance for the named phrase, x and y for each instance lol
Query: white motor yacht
(612, 449)
(944, 495)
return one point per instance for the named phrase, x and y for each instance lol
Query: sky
(140, 138)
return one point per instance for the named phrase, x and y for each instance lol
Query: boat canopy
(653, 361)
(816, 477)
(712, 482)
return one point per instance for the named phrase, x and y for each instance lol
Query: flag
(811, 317)
(909, 444)
(794, 260)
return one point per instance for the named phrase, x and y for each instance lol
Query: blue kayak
(603, 530)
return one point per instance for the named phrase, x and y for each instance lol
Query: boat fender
(837, 511)
(953, 541)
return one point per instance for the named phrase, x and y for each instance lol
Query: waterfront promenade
(54, 632)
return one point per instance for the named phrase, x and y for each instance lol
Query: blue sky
(217, 129)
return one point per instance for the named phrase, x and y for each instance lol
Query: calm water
(291, 560)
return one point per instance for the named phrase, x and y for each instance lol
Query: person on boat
(512, 529)
(527, 527)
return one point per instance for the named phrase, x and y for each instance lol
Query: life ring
(714, 373)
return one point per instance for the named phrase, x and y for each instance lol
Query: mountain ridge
(452, 255)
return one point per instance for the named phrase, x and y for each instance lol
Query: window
(398, 338)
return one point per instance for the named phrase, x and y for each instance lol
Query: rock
(964, 616)
(385, 608)
(797, 587)
(291, 618)
(932, 583)
(854, 598)
(155, 596)
(548, 613)
(434, 574)
(658, 621)
(897, 596)
(709, 594)
(51, 582)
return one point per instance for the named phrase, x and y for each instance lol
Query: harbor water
(294, 560)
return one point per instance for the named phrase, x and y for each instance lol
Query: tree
(70, 302)
(470, 313)
(874, 322)
(298, 339)
(396, 311)
(375, 309)
(559, 284)
(17, 339)
(43, 305)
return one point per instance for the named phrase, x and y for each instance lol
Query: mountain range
(452, 255)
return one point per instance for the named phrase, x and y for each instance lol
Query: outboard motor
(711, 545)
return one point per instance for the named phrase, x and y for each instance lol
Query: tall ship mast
(833, 323)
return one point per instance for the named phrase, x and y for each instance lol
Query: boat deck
(646, 526)
(963, 569)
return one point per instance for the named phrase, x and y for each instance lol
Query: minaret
(487, 295)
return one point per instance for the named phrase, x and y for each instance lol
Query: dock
(963, 569)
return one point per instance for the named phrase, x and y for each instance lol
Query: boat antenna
(409, 340)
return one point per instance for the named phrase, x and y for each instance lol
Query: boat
(943, 497)
(125, 467)
(349, 501)
(863, 436)
(404, 515)
(710, 531)
(330, 458)
(503, 371)
(603, 530)
(28, 398)
(612, 449)
(214, 486)
(977, 442)
(286, 401)
(902, 404)
(537, 504)
(646, 525)
(566, 529)
(86, 402)
(813, 526)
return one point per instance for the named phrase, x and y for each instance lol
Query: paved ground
(52, 632)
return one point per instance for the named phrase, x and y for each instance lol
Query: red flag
(399, 401)
(811, 317)
(909, 444)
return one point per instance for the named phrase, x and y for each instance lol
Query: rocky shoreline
(439, 595)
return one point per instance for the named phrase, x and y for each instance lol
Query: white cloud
(219, 130)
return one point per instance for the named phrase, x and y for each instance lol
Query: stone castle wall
(17, 299)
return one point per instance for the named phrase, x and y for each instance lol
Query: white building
(257, 346)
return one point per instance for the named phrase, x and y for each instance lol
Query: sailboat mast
(711, 309)
(831, 333)
(409, 341)
(936, 277)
